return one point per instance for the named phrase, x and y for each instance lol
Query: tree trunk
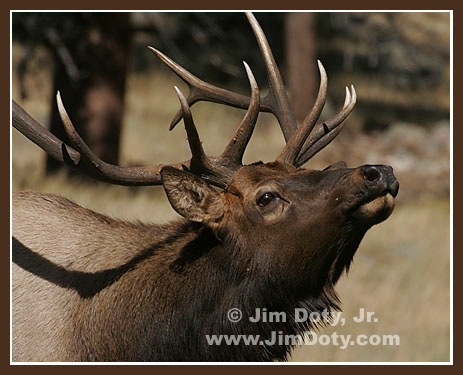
(90, 74)
(301, 61)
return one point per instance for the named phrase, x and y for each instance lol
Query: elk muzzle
(379, 188)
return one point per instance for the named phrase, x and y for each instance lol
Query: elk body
(277, 236)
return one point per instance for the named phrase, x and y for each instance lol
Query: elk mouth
(378, 200)
(377, 209)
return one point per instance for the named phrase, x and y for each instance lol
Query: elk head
(309, 218)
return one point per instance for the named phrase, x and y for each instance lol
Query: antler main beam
(87, 162)
(216, 170)
(35, 132)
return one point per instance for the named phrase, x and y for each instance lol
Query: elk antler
(217, 170)
(300, 147)
(302, 142)
(325, 133)
(275, 102)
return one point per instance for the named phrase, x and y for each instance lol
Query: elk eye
(265, 199)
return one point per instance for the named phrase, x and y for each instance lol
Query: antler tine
(219, 170)
(216, 170)
(198, 156)
(92, 165)
(73, 136)
(277, 93)
(347, 99)
(328, 130)
(293, 146)
(235, 149)
(78, 142)
(200, 90)
(275, 102)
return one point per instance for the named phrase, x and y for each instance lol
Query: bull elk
(87, 287)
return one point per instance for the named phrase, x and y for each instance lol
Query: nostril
(371, 173)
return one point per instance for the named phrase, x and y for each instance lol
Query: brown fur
(90, 288)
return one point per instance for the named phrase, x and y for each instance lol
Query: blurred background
(121, 99)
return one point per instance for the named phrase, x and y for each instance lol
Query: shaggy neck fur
(175, 292)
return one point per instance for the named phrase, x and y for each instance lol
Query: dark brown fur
(90, 288)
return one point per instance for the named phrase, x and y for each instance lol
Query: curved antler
(203, 91)
(293, 146)
(277, 92)
(275, 102)
(300, 145)
(35, 132)
(235, 149)
(217, 170)
(327, 131)
(303, 142)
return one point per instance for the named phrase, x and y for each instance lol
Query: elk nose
(381, 175)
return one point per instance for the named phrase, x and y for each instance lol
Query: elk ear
(191, 196)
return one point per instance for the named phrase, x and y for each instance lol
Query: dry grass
(401, 270)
